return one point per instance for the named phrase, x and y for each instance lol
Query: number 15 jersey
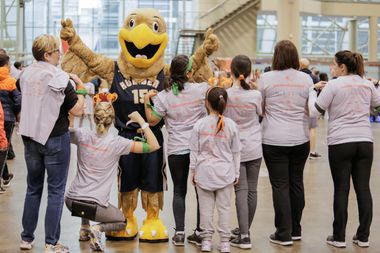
(131, 97)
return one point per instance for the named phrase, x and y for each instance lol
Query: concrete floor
(317, 216)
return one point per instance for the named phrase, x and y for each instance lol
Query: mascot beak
(141, 45)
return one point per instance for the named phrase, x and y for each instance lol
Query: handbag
(83, 209)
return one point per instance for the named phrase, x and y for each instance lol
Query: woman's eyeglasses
(55, 50)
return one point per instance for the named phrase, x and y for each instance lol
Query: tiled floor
(317, 216)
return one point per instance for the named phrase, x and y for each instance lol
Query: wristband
(81, 92)
(144, 126)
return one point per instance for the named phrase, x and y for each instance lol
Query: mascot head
(143, 38)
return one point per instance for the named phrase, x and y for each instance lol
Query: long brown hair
(178, 72)
(217, 99)
(353, 61)
(285, 56)
(241, 67)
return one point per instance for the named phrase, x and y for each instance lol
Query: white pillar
(20, 29)
(372, 40)
(352, 32)
(289, 22)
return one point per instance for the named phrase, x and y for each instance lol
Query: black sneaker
(11, 156)
(361, 244)
(273, 239)
(314, 155)
(235, 233)
(242, 243)
(179, 238)
(2, 190)
(7, 182)
(330, 241)
(195, 238)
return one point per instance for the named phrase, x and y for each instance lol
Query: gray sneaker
(58, 248)
(242, 243)
(179, 238)
(195, 238)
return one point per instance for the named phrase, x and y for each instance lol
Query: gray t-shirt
(213, 156)
(285, 96)
(180, 113)
(348, 100)
(244, 107)
(97, 163)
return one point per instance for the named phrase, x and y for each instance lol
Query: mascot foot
(153, 230)
(129, 233)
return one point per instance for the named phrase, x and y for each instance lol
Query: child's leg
(253, 169)
(241, 201)
(223, 203)
(206, 207)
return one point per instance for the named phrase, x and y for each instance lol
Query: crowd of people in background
(233, 122)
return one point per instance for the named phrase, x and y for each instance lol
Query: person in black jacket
(10, 98)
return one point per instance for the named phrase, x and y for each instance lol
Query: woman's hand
(193, 179)
(236, 181)
(135, 117)
(77, 81)
(320, 85)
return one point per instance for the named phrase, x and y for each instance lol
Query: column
(372, 40)
(352, 34)
(289, 22)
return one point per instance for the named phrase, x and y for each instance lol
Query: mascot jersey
(131, 97)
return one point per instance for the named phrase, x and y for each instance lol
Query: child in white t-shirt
(98, 155)
(215, 166)
(88, 104)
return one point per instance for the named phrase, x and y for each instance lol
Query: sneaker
(195, 238)
(84, 233)
(11, 156)
(314, 155)
(224, 247)
(235, 233)
(273, 239)
(58, 248)
(7, 182)
(336, 244)
(243, 243)
(360, 243)
(179, 238)
(2, 190)
(296, 238)
(24, 245)
(206, 245)
(96, 239)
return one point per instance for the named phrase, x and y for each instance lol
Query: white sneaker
(330, 241)
(361, 244)
(206, 245)
(58, 248)
(96, 239)
(224, 247)
(24, 245)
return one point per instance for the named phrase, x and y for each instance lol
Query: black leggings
(354, 160)
(285, 167)
(179, 169)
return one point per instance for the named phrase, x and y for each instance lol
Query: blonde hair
(104, 115)
(44, 43)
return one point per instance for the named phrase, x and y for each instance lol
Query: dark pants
(8, 128)
(351, 160)
(143, 171)
(179, 170)
(285, 166)
(54, 158)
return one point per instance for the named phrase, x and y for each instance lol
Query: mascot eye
(155, 27)
(132, 23)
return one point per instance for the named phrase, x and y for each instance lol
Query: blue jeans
(54, 156)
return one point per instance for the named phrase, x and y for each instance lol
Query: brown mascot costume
(139, 68)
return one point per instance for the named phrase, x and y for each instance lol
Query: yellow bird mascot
(139, 68)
